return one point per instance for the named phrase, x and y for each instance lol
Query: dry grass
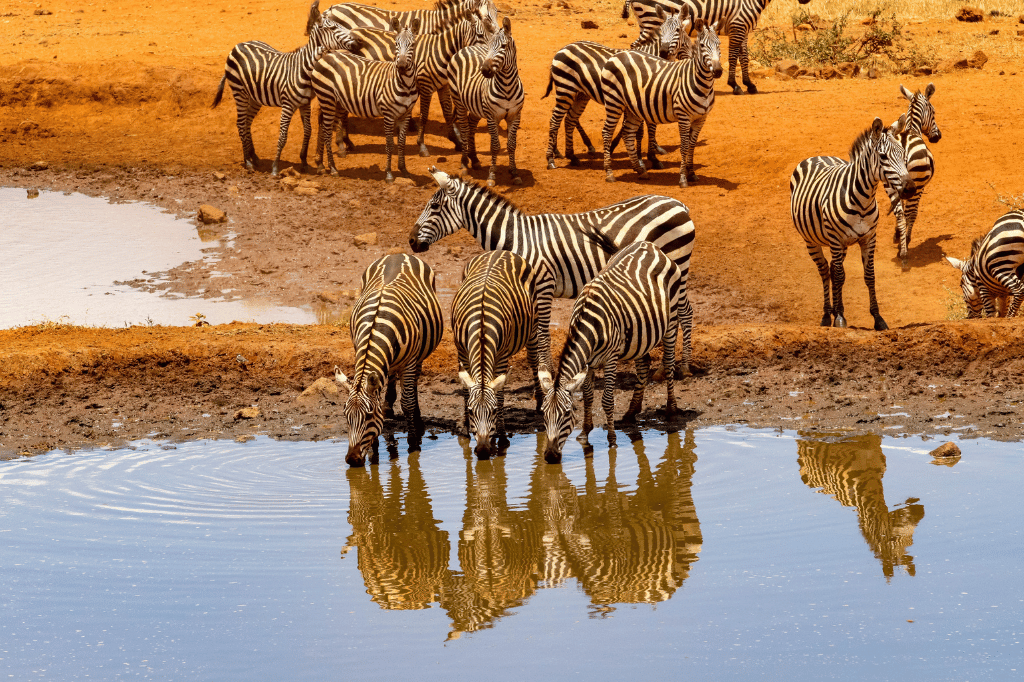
(780, 11)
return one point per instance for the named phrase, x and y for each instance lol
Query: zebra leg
(499, 419)
(643, 371)
(588, 405)
(612, 115)
(867, 256)
(246, 111)
(818, 256)
(583, 136)
(685, 322)
(668, 361)
(426, 94)
(745, 59)
(492, 128)
(1015, 286)
(909, 218)
(561, 108)
(572, 122)
(988, 303)
(608, 396)
(389, 145)
(736, 36)
(630, 125)
(451, 123)
(696, 125)
(345, 144)
(510, 146)
(287, 111)
(403, 129)
(685, 142)
(837, 274)
(390, 394)
(327, 118)
(469, 157)
(652, 146)
(307, 132)
(410, 398)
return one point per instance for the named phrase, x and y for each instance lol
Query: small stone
(588, 24)
(970, 14)
(946, 450)
(219, 176)
(828, 72)
(43, 12)
(849, 69)
(789, 67)
(804, 27)
(994, 32)
(367, 239)
(355, 203)
(307, 191)
(290, 173)
(33, 193)
(868, 21)
(39, 166)
(247, 413)
(209, 215)
(872, 73)
(321, 389)
(977, 60)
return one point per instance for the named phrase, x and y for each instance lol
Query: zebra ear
(876, 127)
(900, 125)
(467, 380)
(395, 24)
(314, 16)
(498, 382)
(576, 382)
(415, 26)
(506, 24)
(440, 177)
(698, 24)
(955, 262)
(340, 377)
(906, 93)
(544, 377)
(684, 11)
(929, 91)
(660, 12)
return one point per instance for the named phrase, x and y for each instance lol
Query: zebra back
(994, 271)
(353, 15)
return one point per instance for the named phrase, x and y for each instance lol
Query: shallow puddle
(64, 253)
(726, 554)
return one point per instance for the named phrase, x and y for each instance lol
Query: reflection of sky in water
(62, 253)
(719, 554)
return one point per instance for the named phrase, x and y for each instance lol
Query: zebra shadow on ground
(927, 252)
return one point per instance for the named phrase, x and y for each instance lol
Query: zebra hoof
(389, 179)
(826, 320)
(490, 182)
(424, 151)
(880, 325)
(551, 164)
(516, 180)
(609, 178)
(691, 177)
(840, 322)
(591, 150)
(334, 172)
(751, 88)
(737, 90)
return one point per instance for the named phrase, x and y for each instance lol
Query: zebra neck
(491, 219)
(914, 120)
(865, 172)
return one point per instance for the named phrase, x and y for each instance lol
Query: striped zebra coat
(920, 163)
(502, 306)
(353, 15)
(833, 206)
(261, 76)
(992, 279)
(623, 314)
(432, 56)
(641, 88)
(346, 84)
(484, 81)
(575, 247)
(740, 16)
(396, 323)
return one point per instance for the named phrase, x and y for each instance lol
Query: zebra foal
(502, 306)
(396, 324)
(920, 163)
(484, 82)
(833, 206)
(994, 272)
(261, 76)
(623, 314)
(640, 88)
(347, 84)
(574, 247)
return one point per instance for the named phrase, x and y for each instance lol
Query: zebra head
(558, 411)
(684, 47)
(892, 156)
(969, 283)
(482, 406)
(707, 52)
(405, 42)
(326, 35)
(669, 34)
(442, 216)
(922, 113)
(363, 412)
(501, 51)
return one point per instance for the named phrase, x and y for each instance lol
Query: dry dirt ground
(115, 102)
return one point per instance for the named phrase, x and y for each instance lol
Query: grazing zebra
(353, 15)
(396, 323)
(739, 15)
(623, 314)
(575, 247)
(995, 270)
(920, 164)
(484, 81)
(261, 76)
(575, 76)
(432, 55)
(641, 88)
(833, 205)
(345, 83)
(504, 304)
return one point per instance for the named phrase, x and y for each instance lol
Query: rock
(789, 67)
(33, 193)
(233, 189)
(43, 12)
(977, 60)
(289, 182)
(994, 32)
(404, 182)
(27, 127)
(289, 173)
(355, 203)
(455, 251)
(849, 69)
(39, 166)
(247, 413)
(868, 21)
(923, 71)
(307, 191)
(946, 450)
(804, 27)
(970, 14)
(588, 23)
(321, 389)
(872, 73)
(1020, 19)
(219, 176)
(327, 297)
(368, 239)
(209, 214)
(828, 72)
(395, 251)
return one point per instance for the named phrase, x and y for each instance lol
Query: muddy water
(64, 255)
(724, 554)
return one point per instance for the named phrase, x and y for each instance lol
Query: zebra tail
(625, 9)
(220, 91)
(551, 84)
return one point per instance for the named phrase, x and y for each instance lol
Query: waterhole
(720, 553)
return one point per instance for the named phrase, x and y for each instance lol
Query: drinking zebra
(353, 15)
(920, 164)
(623, 314)
(995, 270)
(833, 205)
(575, 246)
(575, 77)
(261, 76)
(503, 304)
(638, 88)
(484, 81)
(345, 83)
(432, 55)
(740, 16)
(396, 323)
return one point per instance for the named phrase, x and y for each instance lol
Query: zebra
(833, 205)
(575, 247)
(995, 270)
(575, 77)
(920, 163)
(396, 324)
(641, 88)
(261, 76)
(353, 15)
(503, 304)
(623, 314)
(433, 53)
(740, 16)
(345, 83)
(484, 82)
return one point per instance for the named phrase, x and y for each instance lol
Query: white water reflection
(62, 253)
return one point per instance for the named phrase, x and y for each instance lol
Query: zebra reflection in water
(850, 470)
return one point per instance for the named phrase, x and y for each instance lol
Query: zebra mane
(862, 145)
(975, 245)
(445, 4)
(497, 198)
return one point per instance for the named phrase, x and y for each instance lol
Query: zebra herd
(626, 264)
